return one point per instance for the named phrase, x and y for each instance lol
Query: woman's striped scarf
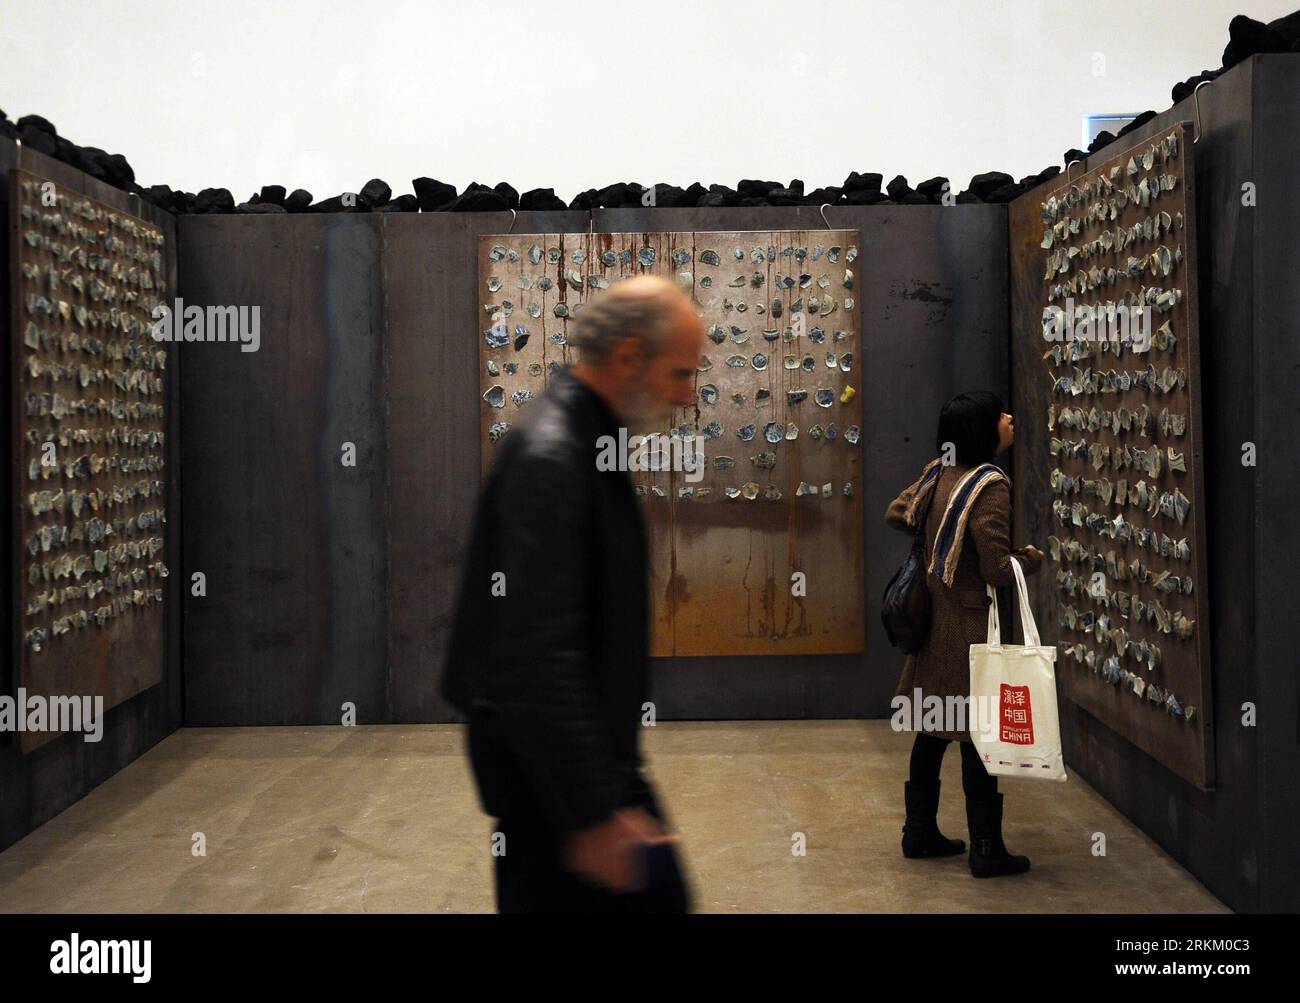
(948, 541)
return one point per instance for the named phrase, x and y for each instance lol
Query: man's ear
(628, 356)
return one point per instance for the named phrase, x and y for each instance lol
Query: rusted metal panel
(1102, 482)
(90, 607)
(783, 319)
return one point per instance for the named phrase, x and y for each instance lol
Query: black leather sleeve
(542, 683)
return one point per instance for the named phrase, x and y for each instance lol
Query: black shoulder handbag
(905, 610)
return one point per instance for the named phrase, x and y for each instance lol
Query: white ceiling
(241, 93)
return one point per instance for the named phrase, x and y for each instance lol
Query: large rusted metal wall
(36, 786)
(332, 585)
(1239, 838)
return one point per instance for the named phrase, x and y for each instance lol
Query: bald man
(548, 655)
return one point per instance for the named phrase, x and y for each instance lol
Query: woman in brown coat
(969, 518)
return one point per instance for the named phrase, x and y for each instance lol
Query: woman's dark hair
(970, 422)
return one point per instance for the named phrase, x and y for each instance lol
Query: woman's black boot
(988, 854)
(921, 835)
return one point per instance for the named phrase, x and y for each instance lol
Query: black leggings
(927, 756)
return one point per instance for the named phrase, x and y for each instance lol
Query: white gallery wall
(569, 95)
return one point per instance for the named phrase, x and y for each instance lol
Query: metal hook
(1067, 169)
(822, 210)
(591, 224)
(18, 162)
(513, 216)
(1196, 100)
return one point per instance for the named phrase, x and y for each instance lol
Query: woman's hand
(1030, 557)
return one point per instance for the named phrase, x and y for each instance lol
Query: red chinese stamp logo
(1016, 715)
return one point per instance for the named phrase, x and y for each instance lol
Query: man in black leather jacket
(548, 653)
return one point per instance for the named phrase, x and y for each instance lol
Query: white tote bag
(1013, 694)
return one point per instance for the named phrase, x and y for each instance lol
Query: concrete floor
(384, 819)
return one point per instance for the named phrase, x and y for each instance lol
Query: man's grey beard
(643, 414)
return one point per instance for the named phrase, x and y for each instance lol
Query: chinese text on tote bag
(1013, 690)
